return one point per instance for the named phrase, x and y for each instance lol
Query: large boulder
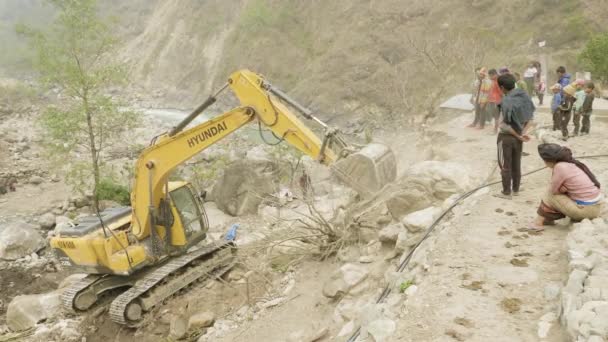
(18, 239)
(448, 178)
(26, 311)
(344, 280)
(243, 186)
(411, 194)
(419, 220)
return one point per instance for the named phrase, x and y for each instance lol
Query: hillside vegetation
(344, 56)
(367, 57)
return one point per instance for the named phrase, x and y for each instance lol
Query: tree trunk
(94, 152)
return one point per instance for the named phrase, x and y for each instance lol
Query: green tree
(75, 55)
(595, 56)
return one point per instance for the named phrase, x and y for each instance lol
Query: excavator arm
(259, 101)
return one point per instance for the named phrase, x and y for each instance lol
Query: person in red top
(494, 100)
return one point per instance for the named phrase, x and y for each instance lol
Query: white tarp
(461, 101)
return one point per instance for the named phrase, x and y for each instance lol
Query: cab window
(188, 210)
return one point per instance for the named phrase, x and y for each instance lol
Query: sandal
(533, 227)
(503, 195)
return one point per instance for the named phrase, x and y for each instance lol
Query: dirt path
(488, 276)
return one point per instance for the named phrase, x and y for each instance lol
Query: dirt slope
(362, 56)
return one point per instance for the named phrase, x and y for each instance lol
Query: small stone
(575, 282)
(366, 259)
(552, 291)
(47, 221)
(549, 317)
(583, 264)
(591, 294)
(178, 327)
(599, 326)
(543, 329)
(80, 201)
(319, 335)
(382, 329)
(596, 281)
(347, 329)
(201, 320)
(243, 311)
(273, 302)
(36, 180)
(390, 232)
(410, 290)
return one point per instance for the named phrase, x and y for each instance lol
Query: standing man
(517, 115)
(563, 78)
(530, 77)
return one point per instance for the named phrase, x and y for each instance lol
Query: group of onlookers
(571, 100)
(506, 98)
(487, 96)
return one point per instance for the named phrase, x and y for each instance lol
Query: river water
(171, 116)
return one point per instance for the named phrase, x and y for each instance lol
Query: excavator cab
(189, 209)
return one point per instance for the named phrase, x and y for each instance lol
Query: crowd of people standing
(506, 98)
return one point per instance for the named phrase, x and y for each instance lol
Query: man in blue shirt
(563, 78)
(517, 115)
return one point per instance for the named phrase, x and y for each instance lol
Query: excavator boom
(174, 148)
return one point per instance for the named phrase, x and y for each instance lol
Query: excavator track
(154, 287)
(68, 298)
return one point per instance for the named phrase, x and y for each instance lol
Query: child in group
(520, 83)
(565, 108)
(540, 90)
(578, 104)
(587, 107)
(556, 89)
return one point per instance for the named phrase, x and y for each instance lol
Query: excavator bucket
(368, 170)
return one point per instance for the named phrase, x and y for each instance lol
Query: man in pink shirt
(574, 191)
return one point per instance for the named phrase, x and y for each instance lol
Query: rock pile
(584, 299)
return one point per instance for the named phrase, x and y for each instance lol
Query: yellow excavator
(153, 249)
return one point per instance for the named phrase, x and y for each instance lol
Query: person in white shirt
(529, 77)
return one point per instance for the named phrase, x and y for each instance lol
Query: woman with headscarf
(574, 191)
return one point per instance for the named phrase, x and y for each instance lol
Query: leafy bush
(112, 191)
(595, 56)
